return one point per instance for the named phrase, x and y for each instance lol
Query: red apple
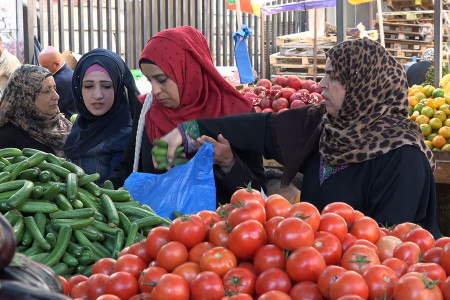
(297, 103)
(257, 108)
(285, 93)
(266, 110)
(280, 103)
(265, 83)
(294, 82)
(259, 89)
(283, 109)
(307, 84)
(280, 80)
(266, 103)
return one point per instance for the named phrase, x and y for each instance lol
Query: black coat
(12, 136)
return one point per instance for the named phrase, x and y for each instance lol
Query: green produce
(159, 150)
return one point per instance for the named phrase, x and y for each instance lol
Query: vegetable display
(61, 218)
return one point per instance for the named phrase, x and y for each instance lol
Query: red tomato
(104, 266)
(307, 212)
(272, 279)
(121, 284)
(130, 263)
(172, 255)
(414, 286)
(274, 295)
(399, 266)
(223, 210)
(276, 205)
(445, 288)
(358, 215)
(340, 208)
(269, 256)
(366, 243)
(207, 286)
(305, 264)
(79, 290)
(189, 270)
(247, 194)
(328, 246)
(149, 278)
(421, 237)
(386, 231)
(333, 223)
(347, 241)
(209, 217)
(327, 278)
(441, 242)
(386, 246)
(171, 286)
(238, 296)
(95, 285)
(306, 290)
(381, 281)
(188, 229)
(407, 251)
(432, 256)
(141, 296)
(74, 280)
(140, 249)
(65, 285)
(431, 270)
(292, 233)
(445, 258)
(366, 228)
(349, 283)
(239, 280)
(246, 238)
(219, 233)
(250, 210)
(107, 297)
(350, 297)
(156, 238)
(401, 230)
(270, 227)
(218, 260)
(358, 258)
(196, 252)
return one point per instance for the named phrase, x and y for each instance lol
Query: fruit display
(429, 107)
(282, 93)
(61, 218)
(256, 248)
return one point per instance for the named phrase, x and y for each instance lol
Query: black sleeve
(246, 132)
(125, 167)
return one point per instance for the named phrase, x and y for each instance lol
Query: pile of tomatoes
(256, 248)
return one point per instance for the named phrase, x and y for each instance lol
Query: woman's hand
(223, 156)
(174, 140)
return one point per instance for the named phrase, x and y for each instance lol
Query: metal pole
(437, 41)
(340, 20)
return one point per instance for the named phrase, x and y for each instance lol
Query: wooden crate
(306, 37)
(411, 4)
(407, 31)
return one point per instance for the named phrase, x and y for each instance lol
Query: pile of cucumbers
(61, 218)
(159, 150)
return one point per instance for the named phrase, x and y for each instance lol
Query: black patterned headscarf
(373, 119)
(18, 107)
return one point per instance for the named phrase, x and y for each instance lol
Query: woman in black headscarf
(105, 94)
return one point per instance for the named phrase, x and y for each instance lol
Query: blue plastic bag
(187, 188)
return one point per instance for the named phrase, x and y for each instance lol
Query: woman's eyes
(105, 86)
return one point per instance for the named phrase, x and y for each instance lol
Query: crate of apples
(283, 93)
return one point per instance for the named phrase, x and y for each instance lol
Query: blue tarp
(302, 5)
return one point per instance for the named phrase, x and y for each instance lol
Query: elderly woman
(105, 95)
(357, 146)
(29, 113)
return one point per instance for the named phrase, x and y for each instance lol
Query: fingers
(209, 140)
(222, 140)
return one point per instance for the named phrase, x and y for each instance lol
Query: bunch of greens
(429, 76)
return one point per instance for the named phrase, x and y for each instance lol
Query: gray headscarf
(428, 55)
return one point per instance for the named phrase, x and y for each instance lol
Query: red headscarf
(183, 54)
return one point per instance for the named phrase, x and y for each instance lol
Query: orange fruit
(439, 101)
(440, 115)
(446, 122)
(444, 131)
(431, 136)
(414, 91)
(422, 119)
(412, 100)
(435, 123)
(431, 103)
(415, 114)
(445, 108)
(428, 90)
(420, 96)
(439, 142)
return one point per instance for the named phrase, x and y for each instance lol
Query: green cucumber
(108, 185)
(38, 191)
(117, 195)
(81, 213)
(88, 178)
(45, 176)
(72, 186)
(111, 211)
(31, 225)
(63, 203)
(73, 168)
(69, 259)
(73, 223)
(5, 177)
(21, 195)
(119, 239)
(58, 170)
(10, 152)
(62, 241)
(86, 257)
(52, 191)
(52, 158)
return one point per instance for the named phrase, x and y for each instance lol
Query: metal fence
(124, 26)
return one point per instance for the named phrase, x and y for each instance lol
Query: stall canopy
(301, 5)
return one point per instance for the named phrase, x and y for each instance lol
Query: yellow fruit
(431, 136)
(414, 115)
(446, 147)
(414, 91)
(446, 122)
(439, 141)
(435, 123)
(444, 80)
(444, 131)
(422, 119)
(420, 96)
(447, 98)
(412, 101)
(426, 129)
(427, 111)
(445, 108)
(446, 89)
(440, 101)
(438, 93)
(440, 115)
(429, 144)
(428, 90)
(431, 103)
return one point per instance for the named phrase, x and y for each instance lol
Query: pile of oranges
(430, 108)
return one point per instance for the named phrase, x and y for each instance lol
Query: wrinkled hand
(223, 156)
(174, 140)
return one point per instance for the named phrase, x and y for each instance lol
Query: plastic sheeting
(304, 5)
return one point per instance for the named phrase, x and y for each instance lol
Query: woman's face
(98, 93)
(163, 87)
(47, 100)
(333, 91)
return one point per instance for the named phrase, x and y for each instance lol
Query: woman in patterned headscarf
(357, 146)
(29, 113)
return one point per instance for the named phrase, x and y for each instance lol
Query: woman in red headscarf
(185, 86)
